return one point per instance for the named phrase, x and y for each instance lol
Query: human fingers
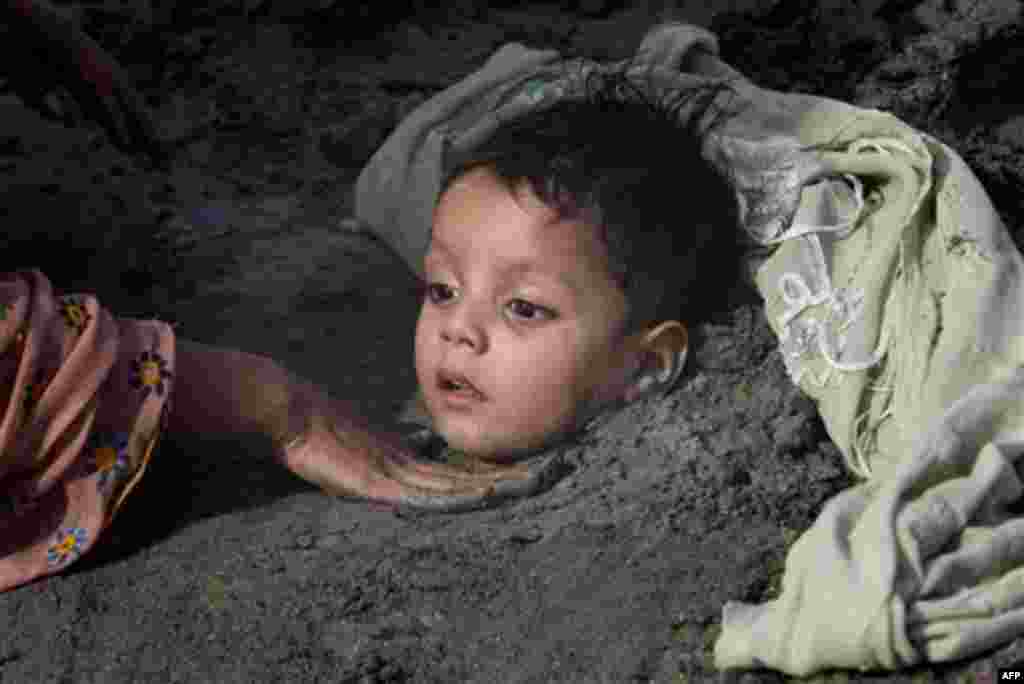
(351, 454)
(467, 471)
(445, 478)
(400, 461)
(391, 485)
(340, 449)
(370, 465)
(537, 478)
(391, 456)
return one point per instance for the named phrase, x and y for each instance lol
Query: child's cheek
(422, 351)
(543, 389)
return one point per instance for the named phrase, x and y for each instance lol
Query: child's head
(567, 252)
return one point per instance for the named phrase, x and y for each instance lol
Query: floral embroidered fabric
(85, 399)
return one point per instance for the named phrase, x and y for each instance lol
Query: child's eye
(438, 292)
(526, 309)
(432, 291)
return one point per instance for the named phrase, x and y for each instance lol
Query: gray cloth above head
(398, 189)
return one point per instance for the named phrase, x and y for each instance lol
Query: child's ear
(664, 351)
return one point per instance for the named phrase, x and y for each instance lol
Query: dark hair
(629, 162)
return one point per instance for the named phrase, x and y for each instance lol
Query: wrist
(229, 391)
(291, 427)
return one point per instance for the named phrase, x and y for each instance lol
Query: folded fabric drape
(84, 400)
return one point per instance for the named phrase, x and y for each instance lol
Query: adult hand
(46, 51)
(330, 445)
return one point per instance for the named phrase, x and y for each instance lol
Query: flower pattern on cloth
(67, 546)
(75, 313)
(110, 460)
(90, 397)
(149, 373)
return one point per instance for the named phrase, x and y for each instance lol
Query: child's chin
(496, 454)
(470, 447)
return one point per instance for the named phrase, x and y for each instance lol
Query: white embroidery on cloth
(801, 338)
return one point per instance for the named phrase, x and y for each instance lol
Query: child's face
(524, 307)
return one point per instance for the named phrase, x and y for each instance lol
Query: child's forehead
(482, 211)
(521, 212)
(567, 243)
(483, 186)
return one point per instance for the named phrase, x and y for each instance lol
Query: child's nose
(462, 327)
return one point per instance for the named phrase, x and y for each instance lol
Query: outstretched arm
(322, 439)
(227, 391)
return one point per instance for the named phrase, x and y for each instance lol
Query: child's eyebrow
(519, 267)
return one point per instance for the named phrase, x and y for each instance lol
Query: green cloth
(896, 295)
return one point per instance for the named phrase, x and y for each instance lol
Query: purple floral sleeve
(84, 397)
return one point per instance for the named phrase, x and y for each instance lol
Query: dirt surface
(224, 568)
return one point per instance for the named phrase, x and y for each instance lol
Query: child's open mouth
(456, 386)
